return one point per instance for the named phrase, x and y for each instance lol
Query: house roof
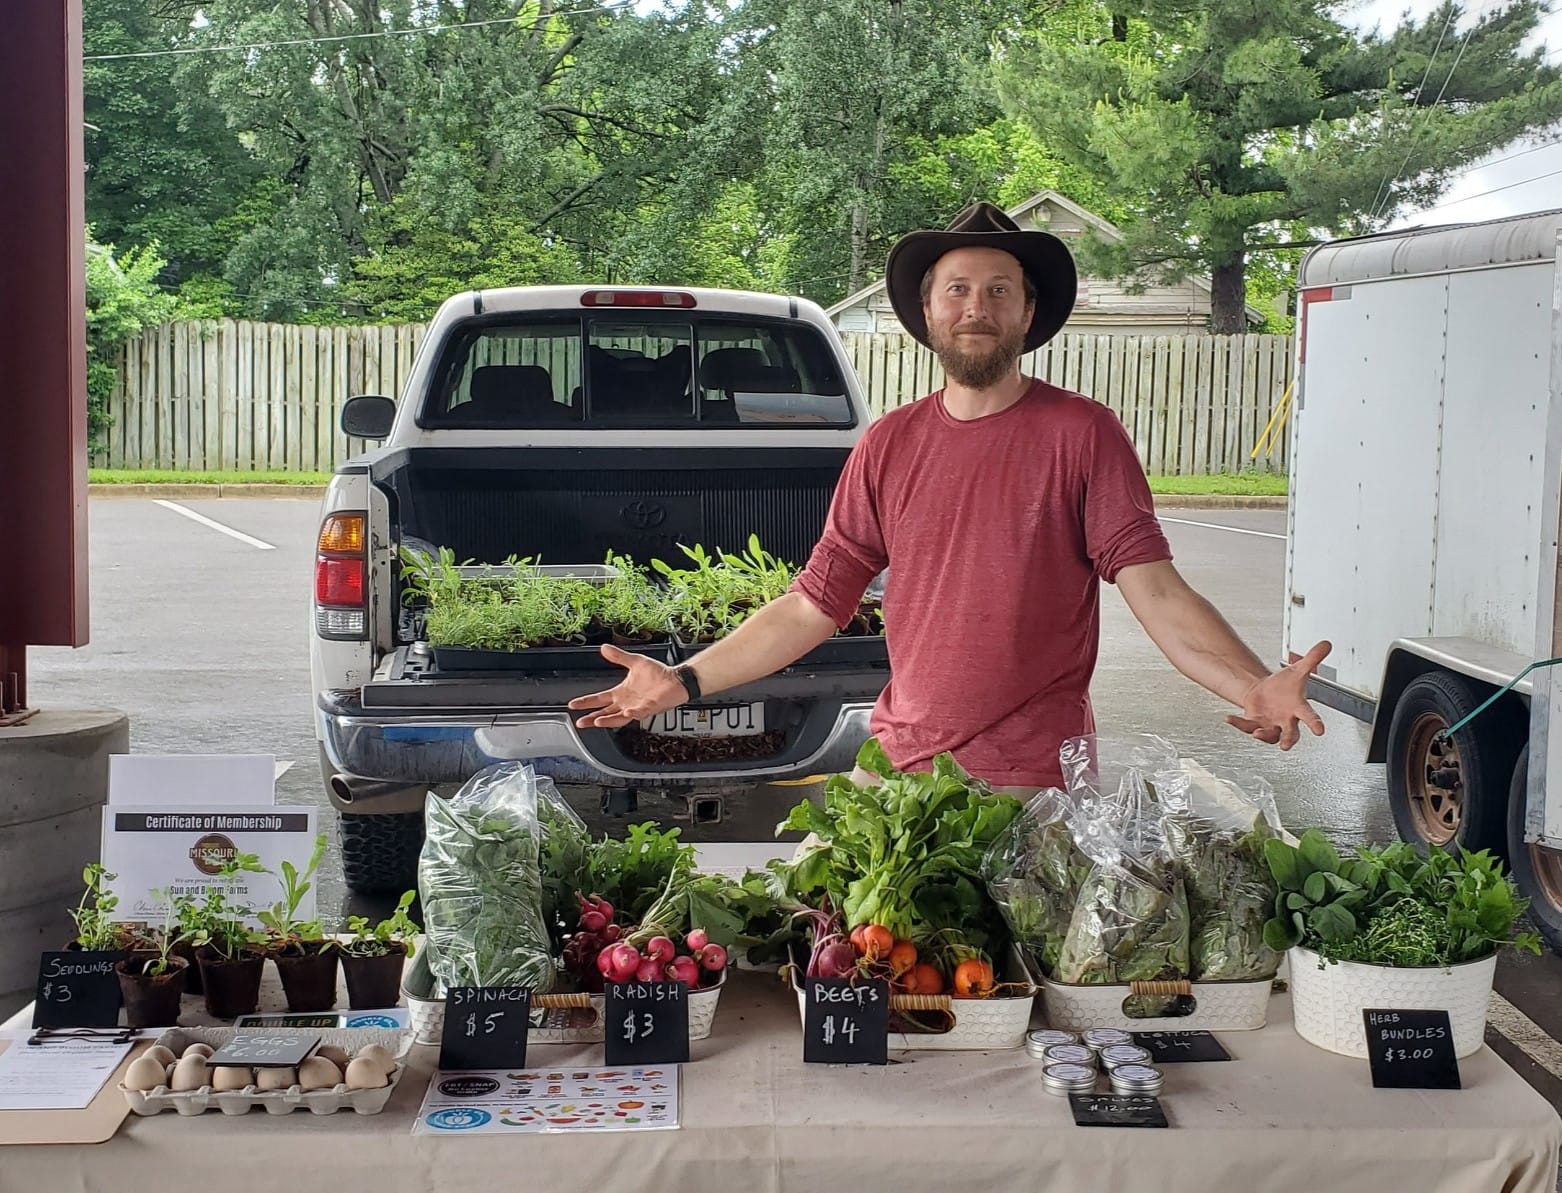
(1104, 226)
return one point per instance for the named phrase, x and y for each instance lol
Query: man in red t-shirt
(998, 504)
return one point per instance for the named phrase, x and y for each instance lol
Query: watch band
(690, 681)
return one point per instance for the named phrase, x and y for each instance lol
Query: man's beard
(973, 367)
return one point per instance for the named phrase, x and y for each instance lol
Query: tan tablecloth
(1282, 1115)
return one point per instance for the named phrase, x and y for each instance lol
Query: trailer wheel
(1536, 870)
(1442, 791)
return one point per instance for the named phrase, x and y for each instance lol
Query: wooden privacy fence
(239, 396)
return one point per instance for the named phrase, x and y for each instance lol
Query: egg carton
(277, 1101)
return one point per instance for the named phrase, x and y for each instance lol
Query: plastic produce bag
(1130, 921)
(481, 886)
(1216, 836)
(1034, 872)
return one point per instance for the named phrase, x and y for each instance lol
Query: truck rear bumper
(414, 748)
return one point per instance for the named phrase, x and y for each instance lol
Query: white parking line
(1263, 534)
(1526, 1033)
(217, 526)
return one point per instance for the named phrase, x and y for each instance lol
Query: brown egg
(276, 1078)
(365, 1072)
(379, 1054)
(332, 1053)
(319, 1073)
(190, 1073)
(161, 1055)
(145, 1073)
(231, 1077)
(197, 1049)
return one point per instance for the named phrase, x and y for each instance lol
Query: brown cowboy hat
(1044, 258)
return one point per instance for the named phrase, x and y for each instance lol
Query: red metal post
(43, 381)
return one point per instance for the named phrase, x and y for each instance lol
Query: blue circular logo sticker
(372, 1021)
(458, 1118)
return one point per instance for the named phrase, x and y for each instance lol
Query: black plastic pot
(192, 971)
(232, 987)
(374, 983)
(867, 650)
(151, 1001)
(308, 976)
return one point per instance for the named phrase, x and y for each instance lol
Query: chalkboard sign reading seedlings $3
(77, 989)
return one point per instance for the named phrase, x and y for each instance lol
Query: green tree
(123, 297)
(1224, 125)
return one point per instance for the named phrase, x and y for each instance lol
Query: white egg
(379, 1054)
(190, 1073)
(197, 1050)
(319, 1073)
(231, 1077)
(145, 1073)
(332, 1053)
(365, 1072)
(161, 1055)
(276, 1078)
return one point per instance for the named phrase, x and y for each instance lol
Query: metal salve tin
(1065, 1079)
(1037, 1042)
(1137, 1079)
(1123, 1054)
(1104, 1037)
(1070, 1054)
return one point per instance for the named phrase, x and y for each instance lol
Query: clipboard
(96, 1124)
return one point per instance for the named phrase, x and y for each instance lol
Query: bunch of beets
(598, 953)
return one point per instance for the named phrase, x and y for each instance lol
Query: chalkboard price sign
(846, 1021)
(1117, 1110)
(1411, 1049)
(485, 1027)
(266, 1049)
(77, 989)
(646, 1023)
(1180, 1047)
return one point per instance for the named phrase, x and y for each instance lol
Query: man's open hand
(648, 689)
(1275, 707)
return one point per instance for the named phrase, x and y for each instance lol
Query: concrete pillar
(53, 785)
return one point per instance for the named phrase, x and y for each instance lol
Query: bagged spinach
(481, 885)
(1130, 920)
(1034, 872)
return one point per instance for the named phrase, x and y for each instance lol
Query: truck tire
(1456, 790)
(380, 853)
(1536, 870)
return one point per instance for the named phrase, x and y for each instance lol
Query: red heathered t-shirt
(997, 532)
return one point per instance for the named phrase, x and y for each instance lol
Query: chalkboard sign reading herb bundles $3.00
(1411, 1049)
(846, 1021)
(77, 989)
(645, 1023)
(485, 1027)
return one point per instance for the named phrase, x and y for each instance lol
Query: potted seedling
(229, 952)
(373, 958)
(96, 928)
(152, 979)
(1390, 928)
(305, 957)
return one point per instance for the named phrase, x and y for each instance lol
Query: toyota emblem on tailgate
(643, 515)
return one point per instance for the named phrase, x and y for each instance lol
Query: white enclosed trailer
(1425, 477)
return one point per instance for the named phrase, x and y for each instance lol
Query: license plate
(722, 720)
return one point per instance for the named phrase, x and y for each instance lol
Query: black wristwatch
(690, 681)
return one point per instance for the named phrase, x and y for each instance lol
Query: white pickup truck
(558, 424)
(1425, 482)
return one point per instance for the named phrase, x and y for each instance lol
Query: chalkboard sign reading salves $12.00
(1411, 1049)
(485, 1027)
(846, 1021)
(77, 989)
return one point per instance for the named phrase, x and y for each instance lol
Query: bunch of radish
(599, 952)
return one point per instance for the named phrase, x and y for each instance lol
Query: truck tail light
(341, 578)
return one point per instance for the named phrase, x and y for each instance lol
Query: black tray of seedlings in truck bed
(459, 660)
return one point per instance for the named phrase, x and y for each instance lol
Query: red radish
(603, 906)
(685, 970)
(649, 971)
(611, 933)
(714, 958)
(593, 921)
(696, 940)
(623, 962)
(660, 949)
(605, 962)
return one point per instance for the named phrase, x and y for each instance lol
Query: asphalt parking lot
(200, 614)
